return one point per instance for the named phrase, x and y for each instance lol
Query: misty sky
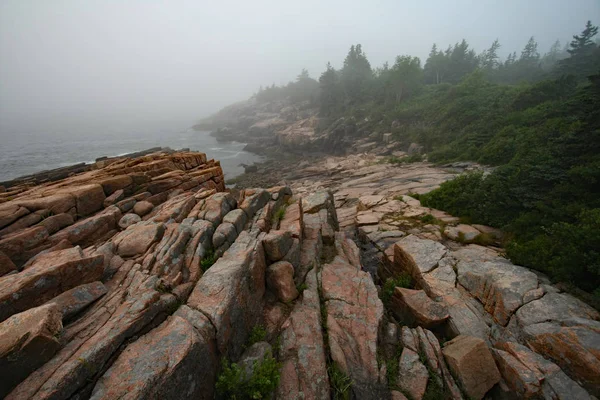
(71, 63)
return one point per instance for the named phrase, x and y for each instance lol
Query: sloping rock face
(148, 309)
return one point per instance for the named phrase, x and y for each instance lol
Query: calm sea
(24, 154)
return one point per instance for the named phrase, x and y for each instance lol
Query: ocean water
(27, 153)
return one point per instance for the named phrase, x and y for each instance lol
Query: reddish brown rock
(57, 203)
(277, 244)
(412, 374)
(353, 341)
(129, 219)
(230, 293)
(142, 208)
(471, 362)
(280, 280)
(138, 239)
(304, 369)
(36, 285)
(27, 341)
(6, 265)
(9, 213)
(415, 307)
(17, 243)
(88, 198)
(56, 222)
(115, 183)
(173, 361)
(116, 197)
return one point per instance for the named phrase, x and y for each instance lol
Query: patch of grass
(402, 160)
(302, 287)
(258, 334)
(429, 219)
(434, 390)
(392, 366)
(232, 181)
(403, 280)
(233, 383)
(484, 239)
(340, 383)
(209, 259)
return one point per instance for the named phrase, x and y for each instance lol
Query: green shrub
(234, 384)
(209, 259)
(403, 280)
(258, 334)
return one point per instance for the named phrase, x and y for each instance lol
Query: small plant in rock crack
(279, 214)
(209, 259)
(233, 382)
(403, 280)
(258, 334)
(340, 383)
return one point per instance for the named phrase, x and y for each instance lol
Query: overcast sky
(143, 62)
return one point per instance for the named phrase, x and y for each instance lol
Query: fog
(76, 65)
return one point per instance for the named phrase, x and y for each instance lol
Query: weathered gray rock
(128, 220)
(74, 300)
(237, 218)
(254, 354)
(416, 256)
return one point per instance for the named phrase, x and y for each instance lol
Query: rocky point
(145, 278)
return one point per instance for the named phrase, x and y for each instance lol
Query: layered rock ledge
(136, 279)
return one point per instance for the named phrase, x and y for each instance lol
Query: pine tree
(584, 57)
(329, 95)
(355, 74)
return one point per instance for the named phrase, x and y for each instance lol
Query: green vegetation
(533, 116)
(403, 281)
(258, 334)
(340, 383)
(233, 383)
(208, 260)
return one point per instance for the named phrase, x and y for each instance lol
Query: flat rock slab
(412, 374)
(499, 285)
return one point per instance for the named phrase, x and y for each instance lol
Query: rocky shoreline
(144, 278)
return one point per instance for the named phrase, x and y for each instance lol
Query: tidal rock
(471, 362)
(414, 306)
(27, 341)
(224, 234)
(55, 223)
(280, 280)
